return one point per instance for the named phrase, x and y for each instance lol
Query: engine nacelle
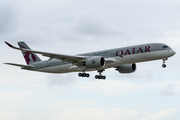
(95, 62)
(127, 68)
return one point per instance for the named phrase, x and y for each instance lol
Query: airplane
(122, 59)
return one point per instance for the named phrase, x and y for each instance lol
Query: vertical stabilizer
(28, 56)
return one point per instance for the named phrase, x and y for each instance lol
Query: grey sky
(71, 27)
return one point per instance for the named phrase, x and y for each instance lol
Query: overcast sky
(77, 26)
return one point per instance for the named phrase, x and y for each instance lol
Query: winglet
(9, 44)
(12, 46)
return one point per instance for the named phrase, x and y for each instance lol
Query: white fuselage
(117, 57)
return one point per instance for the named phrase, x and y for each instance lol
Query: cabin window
(165, 46)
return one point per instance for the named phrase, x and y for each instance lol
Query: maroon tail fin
(28, 56)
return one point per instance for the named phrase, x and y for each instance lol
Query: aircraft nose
(173, 52)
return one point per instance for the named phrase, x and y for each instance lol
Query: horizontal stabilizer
(19, 65)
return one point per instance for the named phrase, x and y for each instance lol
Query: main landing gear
(100, 76)
(164, 61)
(83, 74)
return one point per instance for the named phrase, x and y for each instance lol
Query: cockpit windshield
(165, 46)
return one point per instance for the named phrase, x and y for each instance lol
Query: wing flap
(19, 65)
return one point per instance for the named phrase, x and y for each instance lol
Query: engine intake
(127, 68)
(95, 62)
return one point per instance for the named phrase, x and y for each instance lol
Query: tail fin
(28, 56)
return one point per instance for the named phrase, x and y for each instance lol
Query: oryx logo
(29, 56)
(93, 61)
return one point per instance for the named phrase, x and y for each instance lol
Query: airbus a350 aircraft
(122, 59)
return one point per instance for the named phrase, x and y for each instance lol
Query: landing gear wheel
(80, 74)
(164, 65)
(83, 74)
(96, 76)
(100, 77)
(87, 75)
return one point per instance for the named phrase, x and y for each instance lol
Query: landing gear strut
(164, 61)
(100, 76)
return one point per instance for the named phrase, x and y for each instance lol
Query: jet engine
(127, 68)
(95, 62)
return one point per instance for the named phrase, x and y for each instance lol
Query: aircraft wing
(74, 59)
(69, 58)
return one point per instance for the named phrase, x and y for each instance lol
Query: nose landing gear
(164, 61)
